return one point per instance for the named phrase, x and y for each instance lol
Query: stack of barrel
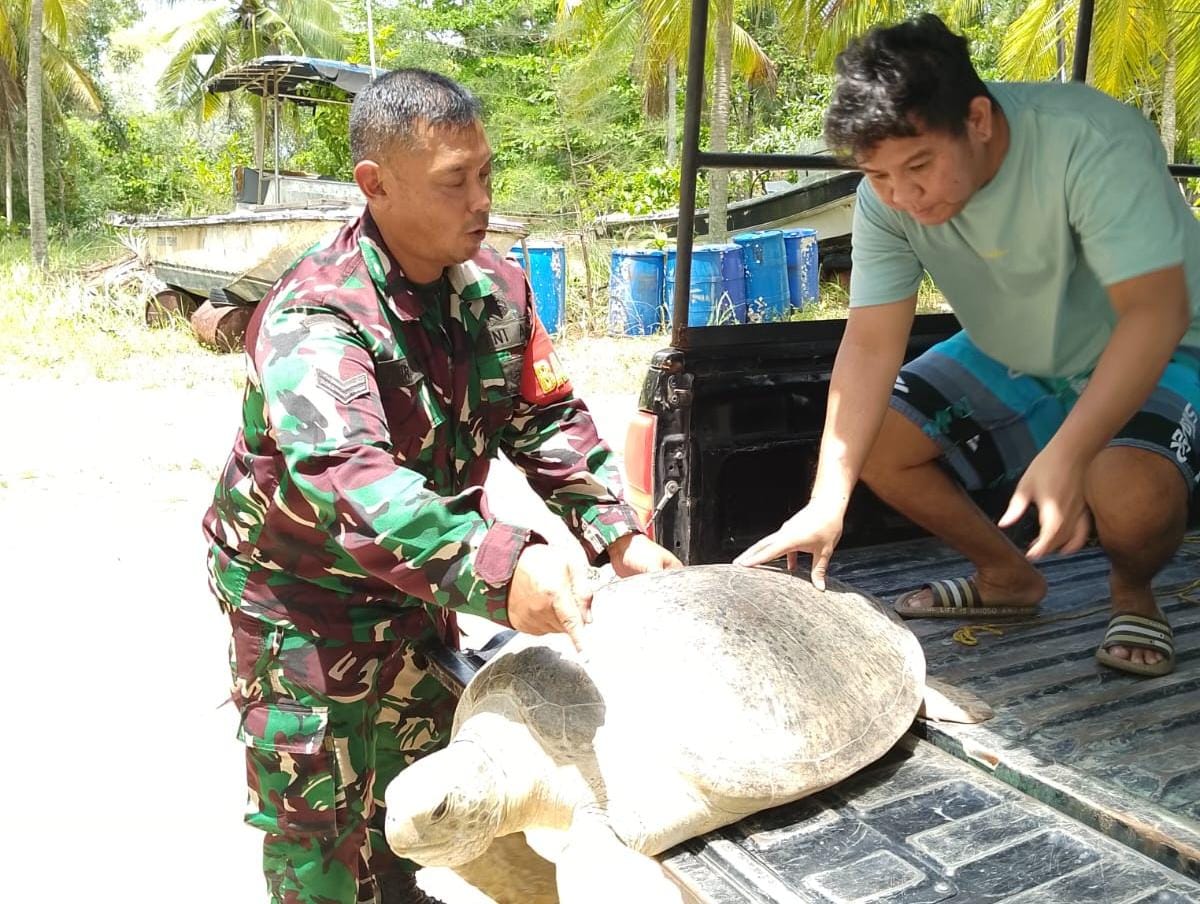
(756, 278)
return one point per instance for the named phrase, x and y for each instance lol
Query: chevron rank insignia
(343, 391)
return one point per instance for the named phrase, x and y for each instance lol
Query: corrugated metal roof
(288, 76)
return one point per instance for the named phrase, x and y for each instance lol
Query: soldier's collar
(467, 280)
(389, 280)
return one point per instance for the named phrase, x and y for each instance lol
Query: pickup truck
(1084, 787)
(1086, 784)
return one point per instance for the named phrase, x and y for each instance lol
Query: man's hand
(815, 529)
(1152, 317)
(550, 593)
(638, 554)
(1054, 485)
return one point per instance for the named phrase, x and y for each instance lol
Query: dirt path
(125, 778)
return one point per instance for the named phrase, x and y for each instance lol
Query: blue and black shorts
(990, 421)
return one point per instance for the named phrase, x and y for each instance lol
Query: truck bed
(918, 827)
(1114, 751)
(1085, 787)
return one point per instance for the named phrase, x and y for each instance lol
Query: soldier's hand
(550, 593)
(637, 554)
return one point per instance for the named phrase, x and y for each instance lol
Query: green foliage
(573, 109)
(239, 31)
(148, 164)
(632, 191)
(101, 19)
(322, 141)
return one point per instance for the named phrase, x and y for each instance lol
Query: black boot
(401, 888)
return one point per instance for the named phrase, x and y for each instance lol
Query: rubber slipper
(1144, 634)
(957, 598)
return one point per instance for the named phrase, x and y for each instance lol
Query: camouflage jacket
(354, 491)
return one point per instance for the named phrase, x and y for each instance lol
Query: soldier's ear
(369, 176)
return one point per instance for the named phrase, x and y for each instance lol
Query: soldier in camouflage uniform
(387, 368)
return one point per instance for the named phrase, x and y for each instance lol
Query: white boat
(235, 257)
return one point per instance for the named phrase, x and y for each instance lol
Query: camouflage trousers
(327, 725)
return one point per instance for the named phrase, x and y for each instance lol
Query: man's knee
(1138, 499)
(901, 445)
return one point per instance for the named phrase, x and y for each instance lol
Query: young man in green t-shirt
(1047, 217)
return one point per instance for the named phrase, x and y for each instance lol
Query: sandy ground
(125, 780)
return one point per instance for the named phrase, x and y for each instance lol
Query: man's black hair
(897, 81)
(387, 113)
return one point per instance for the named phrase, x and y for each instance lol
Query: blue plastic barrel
(635, 291)
(548, 277)
(802, 266)
(766, 274)
(718, 285)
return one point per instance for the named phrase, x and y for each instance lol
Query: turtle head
(445, 809)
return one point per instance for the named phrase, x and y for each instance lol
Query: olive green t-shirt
(1082, 200)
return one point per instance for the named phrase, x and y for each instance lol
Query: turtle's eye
(440, 810)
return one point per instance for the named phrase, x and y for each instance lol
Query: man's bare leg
(1139, 502)
(902, 470)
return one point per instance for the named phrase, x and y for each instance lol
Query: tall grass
(73, 322)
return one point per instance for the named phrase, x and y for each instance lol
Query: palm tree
(236, 33)
(657, 32)
(66, 84)
(33, 123)
(226, 36)
(824, 27)
(1144, 52)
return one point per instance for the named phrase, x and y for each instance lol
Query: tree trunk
(33, 106)
(581, 223)
(672, 125)
(718, 179)
(1166, 123)
(1060, 43)
(8, 177)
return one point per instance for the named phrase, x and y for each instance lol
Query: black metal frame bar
(693, 158)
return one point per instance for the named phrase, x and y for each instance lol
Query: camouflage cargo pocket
(290, 769)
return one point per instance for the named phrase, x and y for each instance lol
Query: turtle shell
(742, 688)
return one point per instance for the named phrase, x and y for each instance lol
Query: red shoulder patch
(543, 380)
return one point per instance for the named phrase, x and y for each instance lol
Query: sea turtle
(702, 695)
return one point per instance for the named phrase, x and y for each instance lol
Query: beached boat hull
(236, 257)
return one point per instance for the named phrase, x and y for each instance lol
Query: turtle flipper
(595, 867)
(947, 703)
(511, 872)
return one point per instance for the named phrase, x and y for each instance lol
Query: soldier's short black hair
(900, 80)
(387, 113)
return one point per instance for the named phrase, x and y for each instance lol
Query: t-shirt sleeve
(885, 269)
(1124, 205)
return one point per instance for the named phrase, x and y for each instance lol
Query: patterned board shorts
(990, 421)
